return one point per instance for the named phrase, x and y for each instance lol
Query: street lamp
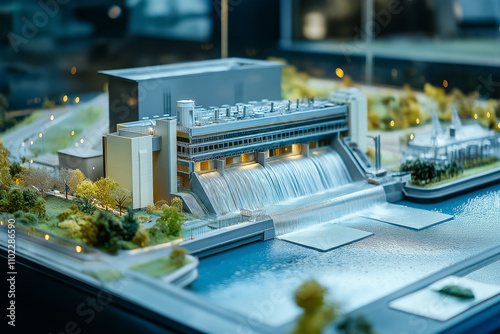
(51, 117)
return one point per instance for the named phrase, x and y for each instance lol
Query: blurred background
(50, 49)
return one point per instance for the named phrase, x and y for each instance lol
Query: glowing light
(392, 123)
(31, 142)
(445, 83)
(499, 125)
(51, 117)
(72, 133)
(488, 114)
(22, 144)
(412, 136)
(475, 116)
(417, 121)
(65, 98)
(114, 12)
(73, 70)
(31, 161)
(40, 135)
(81, 140)
(1, 222)
(77, 100)
(78, 249)
(93, 168)
(76, 144)
(47, 237)
(315, 26)
(394, 73)
(339, 72)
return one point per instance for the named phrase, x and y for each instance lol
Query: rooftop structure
(136, 93)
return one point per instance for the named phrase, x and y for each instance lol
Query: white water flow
(296, 192)
(253, 186)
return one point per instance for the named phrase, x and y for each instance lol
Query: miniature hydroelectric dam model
(287, 160)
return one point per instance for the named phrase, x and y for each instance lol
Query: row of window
(321, 128)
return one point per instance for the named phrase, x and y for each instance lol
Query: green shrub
(26, 217)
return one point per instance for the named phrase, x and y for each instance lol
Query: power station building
(136, 93)
(156, 158)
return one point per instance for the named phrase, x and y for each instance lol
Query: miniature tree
(129, 225)
(356, 324)
(40, 179)
(121, 197)
(171, 221)
(15, 200)
(6, 178)
(4, 157)
(109, 232)
(178, 256)
(39, 208)
(69, 179)
(86, 192)
(15, 169)
(104, 188)
(141, 238)
(177, 202)
(317, 315)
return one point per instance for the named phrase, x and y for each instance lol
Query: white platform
(432, 304)
(325, 237)
(405, 216)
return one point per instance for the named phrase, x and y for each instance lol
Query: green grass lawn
(158, 267)
(59, 136)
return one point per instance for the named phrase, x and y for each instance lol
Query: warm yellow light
(51, 117)
(417, 121)
(78, 249)
(47, 237)
(488, 114)
(73, 70)
(445, 83)
(412, 136)
(72, 133)
(40, 135)
(475, 116)
(81, 140)
(31, 161)
(339, 72)
(93, 168)
(76, 144)
(77, 100)
(65, 98)
(22, 144)
(392, 123)
(1, 222)
(499, 125)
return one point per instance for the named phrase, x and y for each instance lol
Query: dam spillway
(254, 187)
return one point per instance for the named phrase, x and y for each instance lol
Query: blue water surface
(258, 280)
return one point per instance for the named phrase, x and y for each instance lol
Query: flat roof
(81, 152)
(267, 119)
(190, 68)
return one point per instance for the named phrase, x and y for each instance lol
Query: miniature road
(14, 140)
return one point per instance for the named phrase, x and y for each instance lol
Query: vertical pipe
(224, 29)
(368, 25)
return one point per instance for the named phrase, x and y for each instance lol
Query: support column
(220, 165)
(261, 158)
(304, 150)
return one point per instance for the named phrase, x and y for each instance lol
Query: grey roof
(81, 152)
(191, 68)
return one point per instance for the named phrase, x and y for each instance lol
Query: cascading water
(326, 206)
(296, 192)
(253, 186)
